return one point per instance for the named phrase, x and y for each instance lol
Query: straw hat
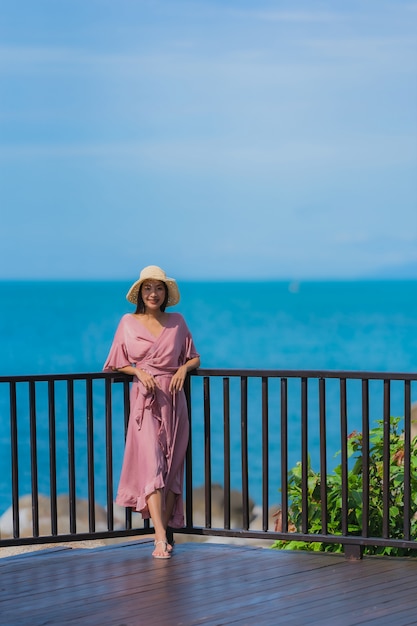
(153, 272)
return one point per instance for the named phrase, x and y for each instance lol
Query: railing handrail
(228, 372)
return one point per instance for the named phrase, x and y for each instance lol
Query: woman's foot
(161, 550)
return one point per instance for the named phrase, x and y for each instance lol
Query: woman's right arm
(145, 378)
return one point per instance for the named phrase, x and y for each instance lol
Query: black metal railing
(62, 439)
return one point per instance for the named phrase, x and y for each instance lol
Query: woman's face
(153, 294)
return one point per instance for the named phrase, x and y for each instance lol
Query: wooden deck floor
(210, 584)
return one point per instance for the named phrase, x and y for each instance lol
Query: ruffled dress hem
(139, 505)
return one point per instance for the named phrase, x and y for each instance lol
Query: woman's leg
(169, 507)
(155, 505)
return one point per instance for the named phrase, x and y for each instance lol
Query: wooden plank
(206, 584)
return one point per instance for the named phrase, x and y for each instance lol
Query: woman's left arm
(178, 379)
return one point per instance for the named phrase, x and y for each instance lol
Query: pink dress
(157, 435)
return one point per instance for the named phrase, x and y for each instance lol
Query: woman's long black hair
(140, 306)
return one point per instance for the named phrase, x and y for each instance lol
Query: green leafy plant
(355, 487)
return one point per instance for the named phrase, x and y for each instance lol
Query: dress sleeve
(118, 356)
(189, 350)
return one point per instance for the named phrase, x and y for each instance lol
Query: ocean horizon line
(209, 280)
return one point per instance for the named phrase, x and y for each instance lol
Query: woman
(157, 349)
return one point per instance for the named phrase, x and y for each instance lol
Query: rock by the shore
(217, 507)
(82, 518)
(44, 504)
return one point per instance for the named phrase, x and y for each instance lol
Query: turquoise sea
(48, 327)
(62, 327)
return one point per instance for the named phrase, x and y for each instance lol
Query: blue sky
(218, 139)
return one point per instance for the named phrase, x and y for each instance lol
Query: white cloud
(232, 152)
(292, 16)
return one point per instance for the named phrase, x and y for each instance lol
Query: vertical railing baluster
(284, 454)
(109, 451)
(323, 454)
(52, 457)
(207, 451)
(407, 460)
(126, 408)
(304, 455)
(90, 455)
(226, 448)
(365, 458)
(14, 460)
(265, 454)
(189, 458)
(71, 457)
(33, 459)
(244, 449)
(344, 454)
(386, 460)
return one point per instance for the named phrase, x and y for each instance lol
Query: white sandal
(161, 556)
